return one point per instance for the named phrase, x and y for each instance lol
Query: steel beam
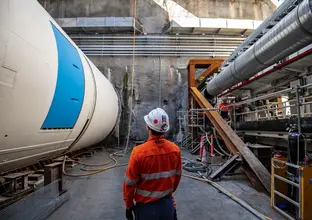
(228, 166)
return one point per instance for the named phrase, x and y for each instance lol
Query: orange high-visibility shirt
(223, 107)
(154, 171)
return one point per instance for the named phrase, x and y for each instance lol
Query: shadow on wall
(235, 9)
(87, 8)
(151, 14)
(100, 8)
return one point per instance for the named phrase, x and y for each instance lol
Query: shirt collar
(153, 137)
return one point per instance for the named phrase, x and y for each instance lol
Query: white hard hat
(157, 120)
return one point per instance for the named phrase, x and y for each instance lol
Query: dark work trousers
(225, 115)
(160, 210)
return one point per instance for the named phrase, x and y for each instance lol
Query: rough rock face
(158, 82)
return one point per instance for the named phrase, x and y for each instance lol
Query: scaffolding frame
(232, 141)
(192, 119)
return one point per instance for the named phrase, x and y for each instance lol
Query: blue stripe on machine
(69, 92)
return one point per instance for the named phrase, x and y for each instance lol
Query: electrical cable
(92, 172)
(194, 166)
(221, 154)
(94, 165)
(132, 77)
(218, 143)
(283, 166)
(159, 72)
(279, 167)
(230, 195)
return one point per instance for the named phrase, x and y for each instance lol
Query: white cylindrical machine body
(52, 97)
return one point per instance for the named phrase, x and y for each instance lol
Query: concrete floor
(100, 197)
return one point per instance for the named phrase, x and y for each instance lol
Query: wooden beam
(203, 61)
(230, 164)
(232, 141)
(191, 75)
(253, 178)
(201, 100)
(211, 69)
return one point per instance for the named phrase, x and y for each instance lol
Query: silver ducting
(265, 26)
(291, 34)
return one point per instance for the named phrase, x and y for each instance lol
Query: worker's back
(153, 173)
(159, 162)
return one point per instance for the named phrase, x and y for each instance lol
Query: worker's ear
(147, 128)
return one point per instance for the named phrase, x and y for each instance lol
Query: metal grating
(37, 206)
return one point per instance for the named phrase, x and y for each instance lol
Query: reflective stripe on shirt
(178, 172)
(130, 182)
(159, 175)
(154, 194)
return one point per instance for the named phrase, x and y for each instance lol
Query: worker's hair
(156, 133)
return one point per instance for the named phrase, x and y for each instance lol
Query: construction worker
(153, 173)
(224, 111)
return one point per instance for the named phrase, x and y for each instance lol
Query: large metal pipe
(262, 29)
(291, 34)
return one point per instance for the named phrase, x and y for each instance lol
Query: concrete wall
(239, 9)
(86, 8)
(156, 13)
(158, 82)
(235, 9)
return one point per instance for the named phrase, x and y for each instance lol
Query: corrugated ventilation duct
(291, 34)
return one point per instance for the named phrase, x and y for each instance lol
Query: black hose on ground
(195, 167)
